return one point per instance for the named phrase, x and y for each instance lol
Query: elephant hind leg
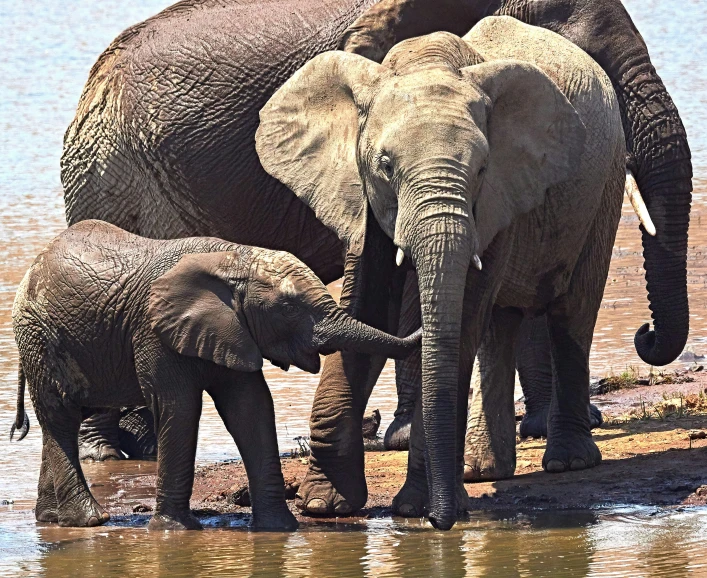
(75, 505)
(47, 508)
(490, 443)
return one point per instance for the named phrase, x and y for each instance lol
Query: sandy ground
(648, 459)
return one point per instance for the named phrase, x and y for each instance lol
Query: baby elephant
(104, 318)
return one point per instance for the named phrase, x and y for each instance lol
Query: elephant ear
(308, 135)
(536, 140)
(194, 310)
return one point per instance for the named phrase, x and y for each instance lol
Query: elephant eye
(386, 166)
(482, 170)
(289, 309)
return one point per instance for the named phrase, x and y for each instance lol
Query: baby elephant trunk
(340, 331)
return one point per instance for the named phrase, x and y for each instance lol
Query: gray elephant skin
(496, 163)
(163, 145)
(104, 318)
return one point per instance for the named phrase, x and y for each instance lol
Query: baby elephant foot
(99, 437)
(183, 520)
(570, 451)
(274, 519)
(46, 514)
(317, 496)
(82, 515)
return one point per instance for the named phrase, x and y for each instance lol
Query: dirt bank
(648, 459)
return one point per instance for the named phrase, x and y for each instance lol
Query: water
(48, 49)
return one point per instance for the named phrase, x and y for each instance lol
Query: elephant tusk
(638, 204)
(399, 257)
(477, 261)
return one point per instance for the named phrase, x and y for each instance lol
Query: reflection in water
(559, 544)
(47, 52)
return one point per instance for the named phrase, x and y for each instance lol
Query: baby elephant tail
(21, 420)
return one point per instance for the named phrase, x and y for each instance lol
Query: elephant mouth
(281, 364)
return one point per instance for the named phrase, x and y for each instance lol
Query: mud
(649, 459)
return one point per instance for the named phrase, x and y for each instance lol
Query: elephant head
(236, 308)
(447, 153)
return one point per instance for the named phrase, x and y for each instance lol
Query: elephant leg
(247, 410)
(490, 443)
(170, 385)
(335, 482)
(534, 364)
(75, 505)
(46, 509)
(99, 436)
(137, 433)
(408, 372)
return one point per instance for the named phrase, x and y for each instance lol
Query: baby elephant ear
(194, 310)
(308, 135)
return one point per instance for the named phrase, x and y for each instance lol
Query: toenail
(555, 466)
(317, 506)
(92, 521)
(578, 464)
(342, 508)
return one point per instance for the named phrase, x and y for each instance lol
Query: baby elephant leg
(46, 508)
(244, 403)
(75, 505)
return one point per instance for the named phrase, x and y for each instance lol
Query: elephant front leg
(336, 483)
(490, 443)
(99, 436)
(408, 372)
(244, 403)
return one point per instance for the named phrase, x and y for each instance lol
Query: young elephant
(104, 318)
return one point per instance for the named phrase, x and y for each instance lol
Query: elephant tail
(21, 420)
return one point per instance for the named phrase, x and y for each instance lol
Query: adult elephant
(506, 145)
(163, 145)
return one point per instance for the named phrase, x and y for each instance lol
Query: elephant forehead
(423, 89)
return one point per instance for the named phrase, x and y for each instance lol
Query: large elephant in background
(163, 145)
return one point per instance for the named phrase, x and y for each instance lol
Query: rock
(371, 423)
(240, 496)
(697, 434)
(701, 491)
(141, 509)
(689, 354)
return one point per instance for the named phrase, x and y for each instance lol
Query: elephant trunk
(441, 252)
(339, 331)
(660, 157)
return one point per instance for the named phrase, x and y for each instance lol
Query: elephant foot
(483, 463)
(534, 424)
(99, 438)
(595, 418)
(274, 519)
(137, 433)
(397, 436)
(570, 451)
(46, 514)
(183, 520)
(413, 499)
(83, 515)
(318, 496)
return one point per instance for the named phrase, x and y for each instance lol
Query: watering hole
(48, 51)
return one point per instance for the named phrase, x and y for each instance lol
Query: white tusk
(477, 261)
(634, 195)
(399, 256)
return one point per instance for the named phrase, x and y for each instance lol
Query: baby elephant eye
(289, 309)
(386, 166)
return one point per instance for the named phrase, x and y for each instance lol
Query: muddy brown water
(47, 50)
